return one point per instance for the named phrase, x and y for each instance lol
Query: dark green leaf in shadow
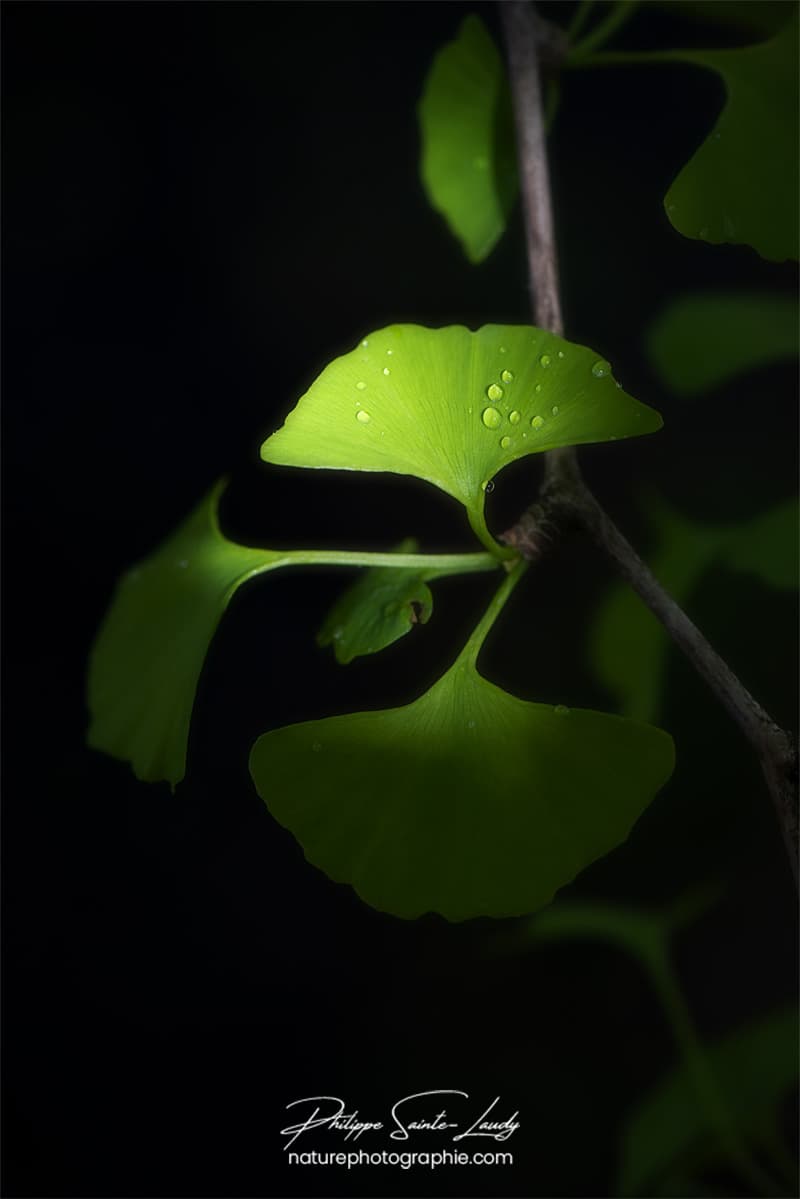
(767, 546)
(454, 407)
(628, 647)
(467, 802)
(147, 658)
(380, 607)
(702, 341)
(466, 123)
(741, 185)
(755, 1068)
(765, 18)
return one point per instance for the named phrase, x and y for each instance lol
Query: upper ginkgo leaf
(454, 407)
(742, 184)
(468, 162)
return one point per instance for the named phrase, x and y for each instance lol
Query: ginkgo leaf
(629, 647)
(466, 124)
(467, 802)
(755, 1068)
(701, 341)
(454, 407)
(147, 658)
(379, 608)
(741, 185)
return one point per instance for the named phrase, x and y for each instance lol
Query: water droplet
(491, 418)
(338, 633)
(672, 208)
(538, 387)
(561, 710)
(363, 416)
(601, 368)
(386, 371)
(505, 442)
(507, 377)
(316, 747)
(361, 385)
(184, 562)
(390, 352)
(619, 386)
(470, 724)
(503, 350)
(544, 360)
(561, 353)
(365, 342)
(555, 409)
(488, 486)
(703, 232)
(537, 422)
(494, 391)
(514, 417)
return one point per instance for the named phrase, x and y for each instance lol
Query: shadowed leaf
(628, 645)
(466, 123)
(755, 1068)
(147, 658)
(380, 607)
(702, 341)
(741, 185)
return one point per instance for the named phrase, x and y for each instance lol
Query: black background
(204, 203)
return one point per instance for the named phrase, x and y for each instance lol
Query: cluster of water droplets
(362, 416)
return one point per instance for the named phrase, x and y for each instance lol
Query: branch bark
(565, 498)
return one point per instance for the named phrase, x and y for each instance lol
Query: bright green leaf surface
(629, 646)
(702, 341)
(148, 655)
(467, 802)
(755, 1068)
(466, 122)
(455, 407)
(741, 186)
(382, 606)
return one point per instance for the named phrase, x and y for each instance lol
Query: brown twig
(565, 497)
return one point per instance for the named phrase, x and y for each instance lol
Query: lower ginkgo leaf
(467, 802)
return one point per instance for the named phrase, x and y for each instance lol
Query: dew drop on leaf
(561, 710)
(505, 442)
(601, 368)
(544, 360)
(494, 391)
(537, 422)
(514, 417)
(555, 409)
(491, 418)
(507, 377)
(361, 385)
(363, 416)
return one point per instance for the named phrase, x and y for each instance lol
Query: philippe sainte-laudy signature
(422, 1112)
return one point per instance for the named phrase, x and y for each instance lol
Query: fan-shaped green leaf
(148, 655)
(755, 1068)
(466, 124)
(741, 186)
(379, 608)
(628, 646)
(701, 341)
(455, 407)
(467, 802)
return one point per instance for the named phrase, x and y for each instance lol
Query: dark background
(204, 203)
